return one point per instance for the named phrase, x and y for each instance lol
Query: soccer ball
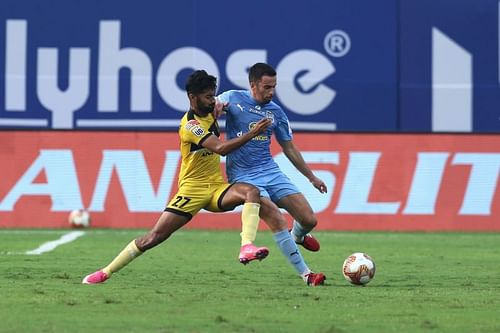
(79, 218)
(358, 268)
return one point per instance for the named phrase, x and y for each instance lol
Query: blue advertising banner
(449, 65)
(122, 64)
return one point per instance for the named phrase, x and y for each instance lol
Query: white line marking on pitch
(49, 246)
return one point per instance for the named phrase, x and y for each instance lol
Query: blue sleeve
(283, 131)
(225, 97)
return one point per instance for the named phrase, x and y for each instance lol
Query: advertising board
(375, 181)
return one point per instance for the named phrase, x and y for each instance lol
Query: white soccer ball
(79, 218)
(358, 268)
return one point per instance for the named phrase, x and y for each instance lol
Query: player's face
(205, 102)
(263, 89)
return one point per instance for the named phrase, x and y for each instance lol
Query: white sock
(298, 232)
(305, 274)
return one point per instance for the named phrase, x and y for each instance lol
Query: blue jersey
(242, 113)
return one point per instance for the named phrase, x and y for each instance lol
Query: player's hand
(261, 126)
(219, 109)
(319, 184)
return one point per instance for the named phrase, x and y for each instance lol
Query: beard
(205, 109)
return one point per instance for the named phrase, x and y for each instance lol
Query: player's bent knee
(276, 222)
(309, 221)
(248, 192)
(253, 194)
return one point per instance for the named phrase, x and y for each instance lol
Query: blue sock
(291, 251)
(298, 231)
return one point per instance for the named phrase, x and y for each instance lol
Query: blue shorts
(273, 184)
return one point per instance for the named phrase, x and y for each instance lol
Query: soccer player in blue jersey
(254, 164)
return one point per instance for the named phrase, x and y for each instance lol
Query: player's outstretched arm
(294, 155)
(223, 148)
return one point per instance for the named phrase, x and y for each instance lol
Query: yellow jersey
(199, 165)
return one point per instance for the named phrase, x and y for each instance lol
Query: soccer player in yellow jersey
(201, 183)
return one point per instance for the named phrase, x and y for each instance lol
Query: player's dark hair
(258, 70)
(199, 81)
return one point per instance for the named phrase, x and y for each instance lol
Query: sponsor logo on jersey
(206, 152)
(190, 124)
(194, 126)
(198, 131)
(270, 115)
(256, 109)
(258, 137)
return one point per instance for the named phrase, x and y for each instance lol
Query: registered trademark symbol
(337, 43)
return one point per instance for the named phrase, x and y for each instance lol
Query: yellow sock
(129, 253)
(250, 222)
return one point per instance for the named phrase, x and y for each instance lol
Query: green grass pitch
(425, 282)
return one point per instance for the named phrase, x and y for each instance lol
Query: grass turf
(425, 282)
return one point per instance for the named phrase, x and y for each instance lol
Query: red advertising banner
(401, 182)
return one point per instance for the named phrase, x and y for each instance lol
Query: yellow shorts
(191, 198)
